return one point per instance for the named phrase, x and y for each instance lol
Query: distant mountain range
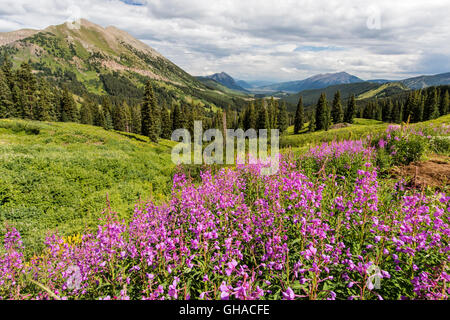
(226, 80)
(427, 81)
(315, 82)
(327, 80)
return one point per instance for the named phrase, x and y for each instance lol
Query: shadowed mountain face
(315, 82)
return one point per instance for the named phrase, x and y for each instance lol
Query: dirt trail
(434, 172)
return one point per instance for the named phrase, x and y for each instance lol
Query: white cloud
(259, 39)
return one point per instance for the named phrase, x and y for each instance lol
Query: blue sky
(278, 40)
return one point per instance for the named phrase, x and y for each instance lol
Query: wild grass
(56, 176)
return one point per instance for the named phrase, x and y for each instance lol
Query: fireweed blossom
(239, 234)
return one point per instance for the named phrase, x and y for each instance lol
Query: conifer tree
(99, 117)
(6, 103)
(337, 111)
(444, 105)
(387, 107)
(263, 116)
(27, 85)
(275, 113)
(149, 114)
(250, 117)
(378, 111)
(396, 112)
(283, 119)
(312, 122)
(136, 120)
(322, 113)
(120, 117)
(86, 116)
(177, 122)
(17, 100)
(109, 125)
(166, 127)
(351, 110)
(7, 70)
(68, 107)
(431, 106)
(368, 111)
(299, 116)
(44, 107)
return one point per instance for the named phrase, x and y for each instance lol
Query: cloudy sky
(277, 40)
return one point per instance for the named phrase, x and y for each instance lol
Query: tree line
(324, 113)
(419, 105)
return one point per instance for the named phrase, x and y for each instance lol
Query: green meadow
(58, 176)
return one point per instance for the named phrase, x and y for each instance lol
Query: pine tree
(7, 70)
(312, 122)
(109, 125)
(283, 119)
(86, 116)
(328, 118)
(337, 112)
(368, 111)
(166, 126)
(299, 116)
(444, 105)
(322, 113)
(263, 116)
(99, 117)
(44, 107)
(136, 120)
(431, 106)
(378, 111)
(176, 118)
(120, 117)
(150, 114)
(275, 112)
(6, 103)
(17, 98)
(27, 85)
(250, 117)
(387, 107)
(68, 107)
(351, 110)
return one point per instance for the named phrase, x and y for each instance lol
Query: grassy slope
(384, 90)
(58, 179)
(360, 128)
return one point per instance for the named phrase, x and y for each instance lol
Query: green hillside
(56, 176)
(96, 60)
(385, 90)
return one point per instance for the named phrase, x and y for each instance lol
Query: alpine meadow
(93, 101)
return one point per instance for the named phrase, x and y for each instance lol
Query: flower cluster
(241, 235)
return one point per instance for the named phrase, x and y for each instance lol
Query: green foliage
(56, 176)
(337, 111)
(351, 110)
(283, 119)
(151, 121)
(322, 113)
(299, 116)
